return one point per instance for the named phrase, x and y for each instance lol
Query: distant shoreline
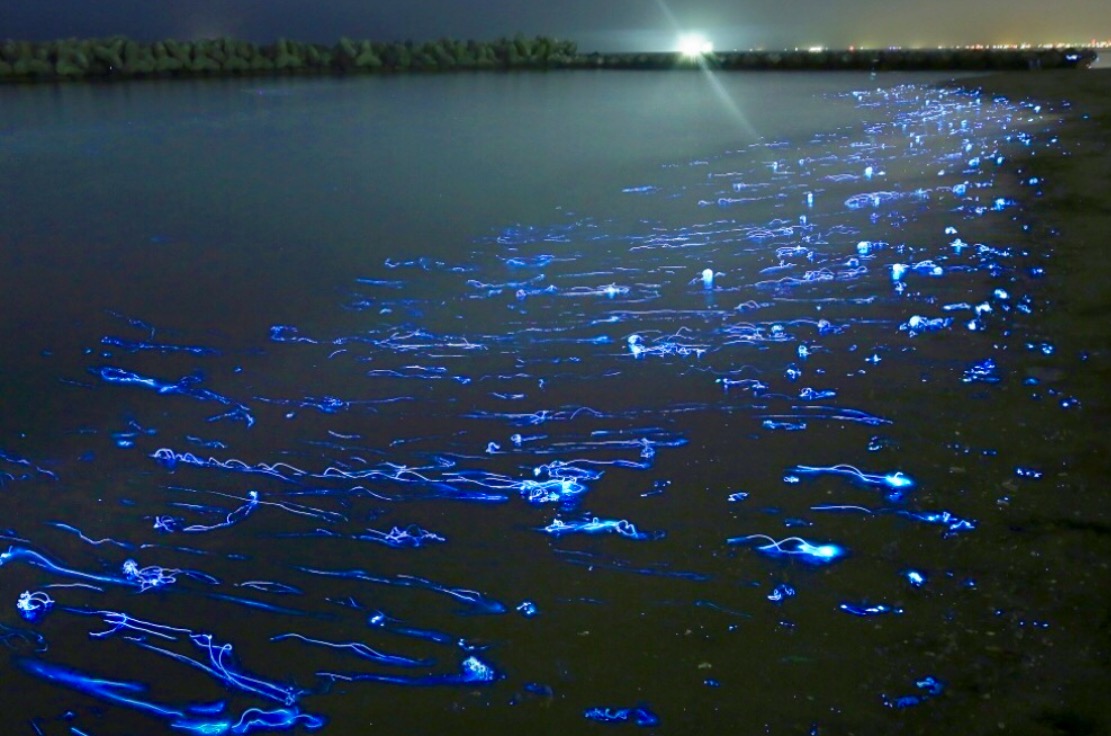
(119, 58)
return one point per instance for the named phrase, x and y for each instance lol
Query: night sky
(604, 25)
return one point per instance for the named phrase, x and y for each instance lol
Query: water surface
(535, 401)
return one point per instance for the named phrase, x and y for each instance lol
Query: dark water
(523, 403)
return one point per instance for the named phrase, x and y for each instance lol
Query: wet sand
(1075, 202)
(1077, 186)
(1069, 533)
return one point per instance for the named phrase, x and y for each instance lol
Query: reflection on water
(737, 445)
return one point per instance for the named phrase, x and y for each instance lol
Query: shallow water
(491, 403)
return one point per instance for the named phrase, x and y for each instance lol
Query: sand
(1076, 204)
(1068, 528)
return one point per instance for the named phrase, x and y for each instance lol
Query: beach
(1076, 198)
(1072, 542)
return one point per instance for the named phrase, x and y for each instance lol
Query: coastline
(1075, 200)
(1070, 530)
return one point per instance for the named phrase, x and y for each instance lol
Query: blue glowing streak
(472, 671)
(254, 719)
(153, 576)
(222, 666)
(23, 462)
(897, 481)
(359, 650)
(95, 542)
(818, 554)
(639, 716)
(929, 687)
(136, 346)
(269, 607)
(39, 560)
(170, 524)
(952, 523)
(621, 527)
(473, 599)
(864, 610)
(128, 694)
(183, 387)
(380, 620)
(122, 693)
(398, 538)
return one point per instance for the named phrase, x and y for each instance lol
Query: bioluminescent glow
(928, 687)
(472, 671)
(621, 527)
(896, 481)
(865, 610)
(34, 606)
(818, 554)
(480, 475)
(639, 716)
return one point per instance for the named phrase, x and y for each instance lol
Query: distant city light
(694, 45)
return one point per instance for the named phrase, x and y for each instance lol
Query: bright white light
(694, 45)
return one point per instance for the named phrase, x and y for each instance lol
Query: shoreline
(119, 58)
(1069, 527)
(1075, 202)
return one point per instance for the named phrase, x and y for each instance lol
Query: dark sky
(595, 24)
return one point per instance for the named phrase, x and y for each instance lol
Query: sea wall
(861, 59)
(123, 58)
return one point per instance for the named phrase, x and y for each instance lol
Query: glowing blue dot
(781, 592)
(898, 480)
(34, 606)
(915, 578)
(823, 551)
(475, 670)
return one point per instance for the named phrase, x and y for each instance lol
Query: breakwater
(122, 58)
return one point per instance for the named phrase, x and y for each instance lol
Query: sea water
(489, 403)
